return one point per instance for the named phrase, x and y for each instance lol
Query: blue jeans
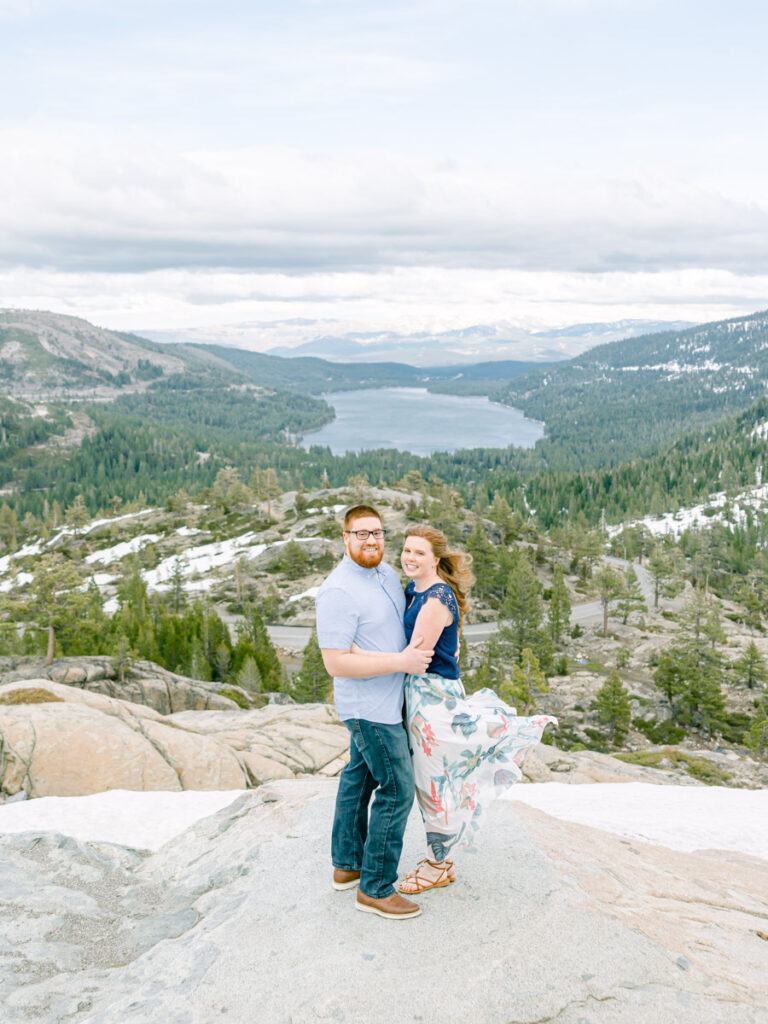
(379, 765)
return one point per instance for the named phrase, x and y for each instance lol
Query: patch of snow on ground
(21, 580)
(675, 523)
(683, 818)
(312, 592)
(126, 547)
(143, 821)
(101, 579)
(203, 558)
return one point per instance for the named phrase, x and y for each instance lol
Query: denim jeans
(379, 765)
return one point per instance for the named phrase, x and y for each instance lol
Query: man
(362, 603)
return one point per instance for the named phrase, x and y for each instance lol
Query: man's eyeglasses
(365, 534)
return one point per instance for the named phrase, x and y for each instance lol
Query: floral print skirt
(466, 751)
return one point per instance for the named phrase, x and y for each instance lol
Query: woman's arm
(431, 621)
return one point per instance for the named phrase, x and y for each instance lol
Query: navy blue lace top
(444, 662)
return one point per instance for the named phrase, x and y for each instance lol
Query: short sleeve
(446, 596)
(337, 619)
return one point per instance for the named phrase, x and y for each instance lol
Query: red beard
(368, 559)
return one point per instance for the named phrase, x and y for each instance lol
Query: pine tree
(311, 683)
(671, 675)
(527, 681)
(559, 610)
(122, 657)
(293, 560)
(523, 610)
(664, 573)
(750, 668)
(177, 596)
(249, 677)
(609, 584)
(9, 527)
(757, 737)
(631, 597)
(613, 707)
(77, 515)
(255, 637)
(54, 598)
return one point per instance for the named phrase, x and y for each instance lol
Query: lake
(415, 420)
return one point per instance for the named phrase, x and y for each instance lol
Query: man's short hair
(359, 512)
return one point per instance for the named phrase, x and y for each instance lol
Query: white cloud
(123, 203)
(405, 299)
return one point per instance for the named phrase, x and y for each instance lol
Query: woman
(466, 750)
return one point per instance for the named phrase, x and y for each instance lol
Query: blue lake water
(414, 420)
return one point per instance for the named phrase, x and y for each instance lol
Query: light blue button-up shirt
(364, 606)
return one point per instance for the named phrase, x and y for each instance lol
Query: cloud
(401, 299)
(124, 203)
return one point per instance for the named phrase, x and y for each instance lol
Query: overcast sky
(407, 165)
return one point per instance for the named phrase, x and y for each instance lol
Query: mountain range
(481, 342)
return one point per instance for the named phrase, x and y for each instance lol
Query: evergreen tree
(249, 677)
(523, 610)
(77, 515)
(631, 597)
(122, 657)
(527, 681)
(311, 683)
(609, 584)
(54, 598)
(613, 707)
(664, 573)
(671, 675)
(177, 595)
(750, 668)
(254, 640)
(9, 527)
(757, 737)
(293, 560)
(559, 610)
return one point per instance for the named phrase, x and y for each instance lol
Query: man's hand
(415, 660)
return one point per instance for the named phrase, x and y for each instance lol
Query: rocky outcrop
(544, 763)
(59, 740)
(144, 682)
(236, 920)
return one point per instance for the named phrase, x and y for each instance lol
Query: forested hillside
(316, 376)
(629, 398)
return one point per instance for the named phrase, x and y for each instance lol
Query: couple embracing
(394, 659)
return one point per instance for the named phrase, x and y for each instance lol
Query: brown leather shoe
(393, 906)
(345, 879)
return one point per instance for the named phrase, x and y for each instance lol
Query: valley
(191, 531)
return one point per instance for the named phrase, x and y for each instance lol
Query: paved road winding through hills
(588, 613)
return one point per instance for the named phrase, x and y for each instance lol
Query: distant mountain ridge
(452, 346)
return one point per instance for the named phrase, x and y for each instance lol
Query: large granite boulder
(235, 920)
(59, 740)
(144, 682)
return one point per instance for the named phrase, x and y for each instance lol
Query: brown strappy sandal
(422, 883)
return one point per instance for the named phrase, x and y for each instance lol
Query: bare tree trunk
(51, 641)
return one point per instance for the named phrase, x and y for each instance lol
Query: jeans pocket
(356, 733)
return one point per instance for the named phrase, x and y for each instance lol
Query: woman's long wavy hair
(453, 566)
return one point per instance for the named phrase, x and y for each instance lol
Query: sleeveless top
(444, 661)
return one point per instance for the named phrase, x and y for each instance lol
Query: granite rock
(236, 920)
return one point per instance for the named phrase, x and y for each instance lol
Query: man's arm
(366, 664)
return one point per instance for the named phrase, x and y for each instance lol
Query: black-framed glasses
(365, 534)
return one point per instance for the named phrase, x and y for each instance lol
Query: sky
(408, 166)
